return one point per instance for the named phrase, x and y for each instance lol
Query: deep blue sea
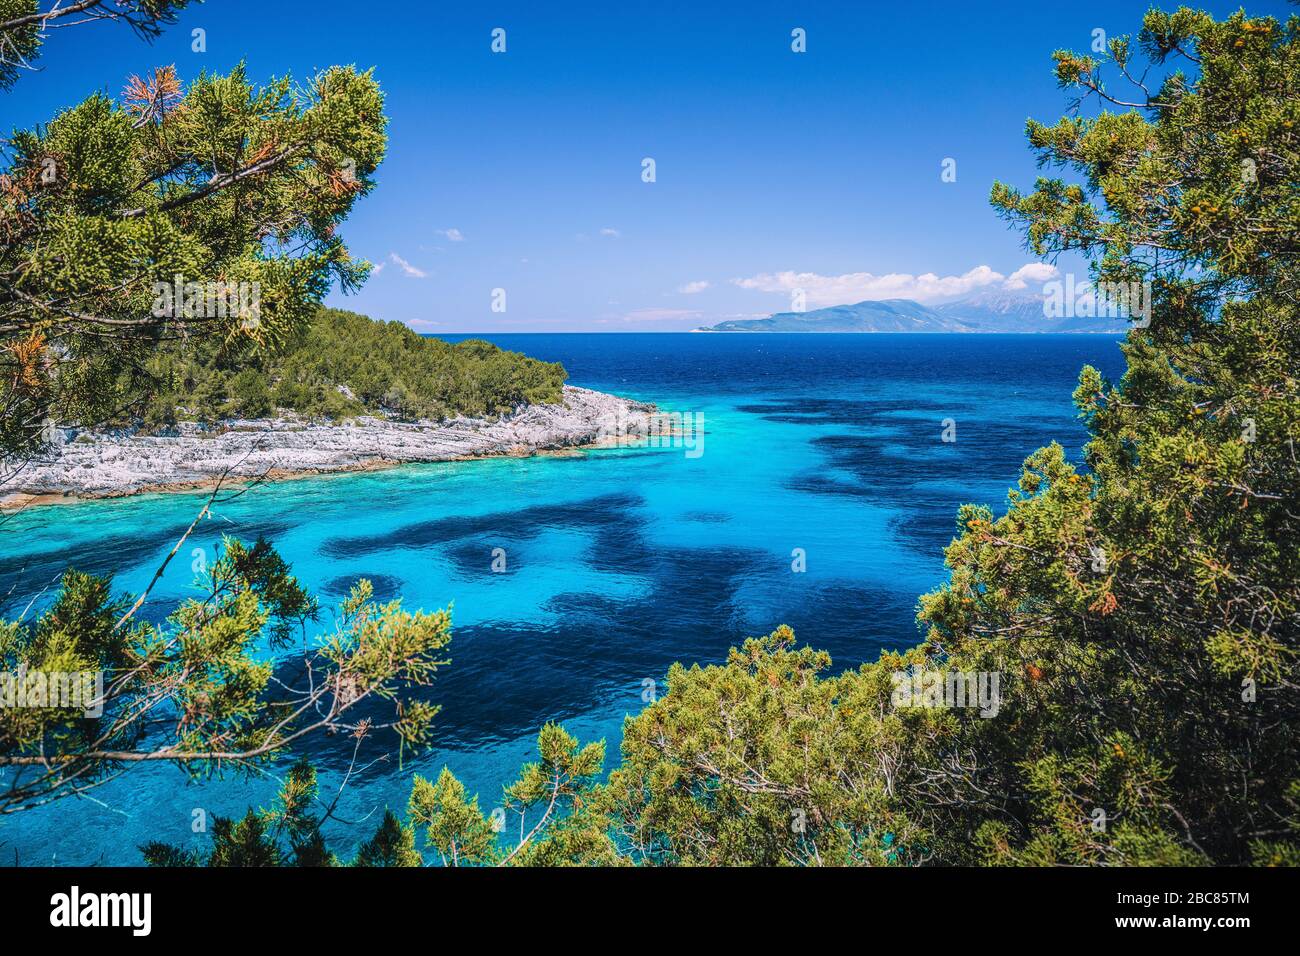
(618, 562)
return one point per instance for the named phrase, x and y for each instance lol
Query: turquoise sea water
(618, 562)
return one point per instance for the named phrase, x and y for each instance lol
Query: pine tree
(171, 212)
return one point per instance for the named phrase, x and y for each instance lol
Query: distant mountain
(984, 311)
(887, 315)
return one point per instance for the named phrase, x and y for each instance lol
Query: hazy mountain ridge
(983, 311)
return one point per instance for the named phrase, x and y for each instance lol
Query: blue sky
(522, 171)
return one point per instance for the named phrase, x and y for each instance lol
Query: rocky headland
(93, 464)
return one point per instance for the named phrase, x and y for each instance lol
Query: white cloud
(612, 233)
(1031, 272)
(376, 269)
(691, 288)
(406, 267)
(823, 290)
(453, 234)
(858, 286)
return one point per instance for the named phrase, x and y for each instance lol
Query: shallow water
(618, 562)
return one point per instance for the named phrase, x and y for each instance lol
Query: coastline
(106, 465)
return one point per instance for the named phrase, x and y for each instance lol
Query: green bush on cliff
(346, 364)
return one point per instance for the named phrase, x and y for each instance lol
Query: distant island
(985, 311)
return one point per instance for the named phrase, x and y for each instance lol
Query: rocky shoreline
(101, 464)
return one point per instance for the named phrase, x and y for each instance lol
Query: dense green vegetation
(197, 689)
(561, 790)
(383, 366)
